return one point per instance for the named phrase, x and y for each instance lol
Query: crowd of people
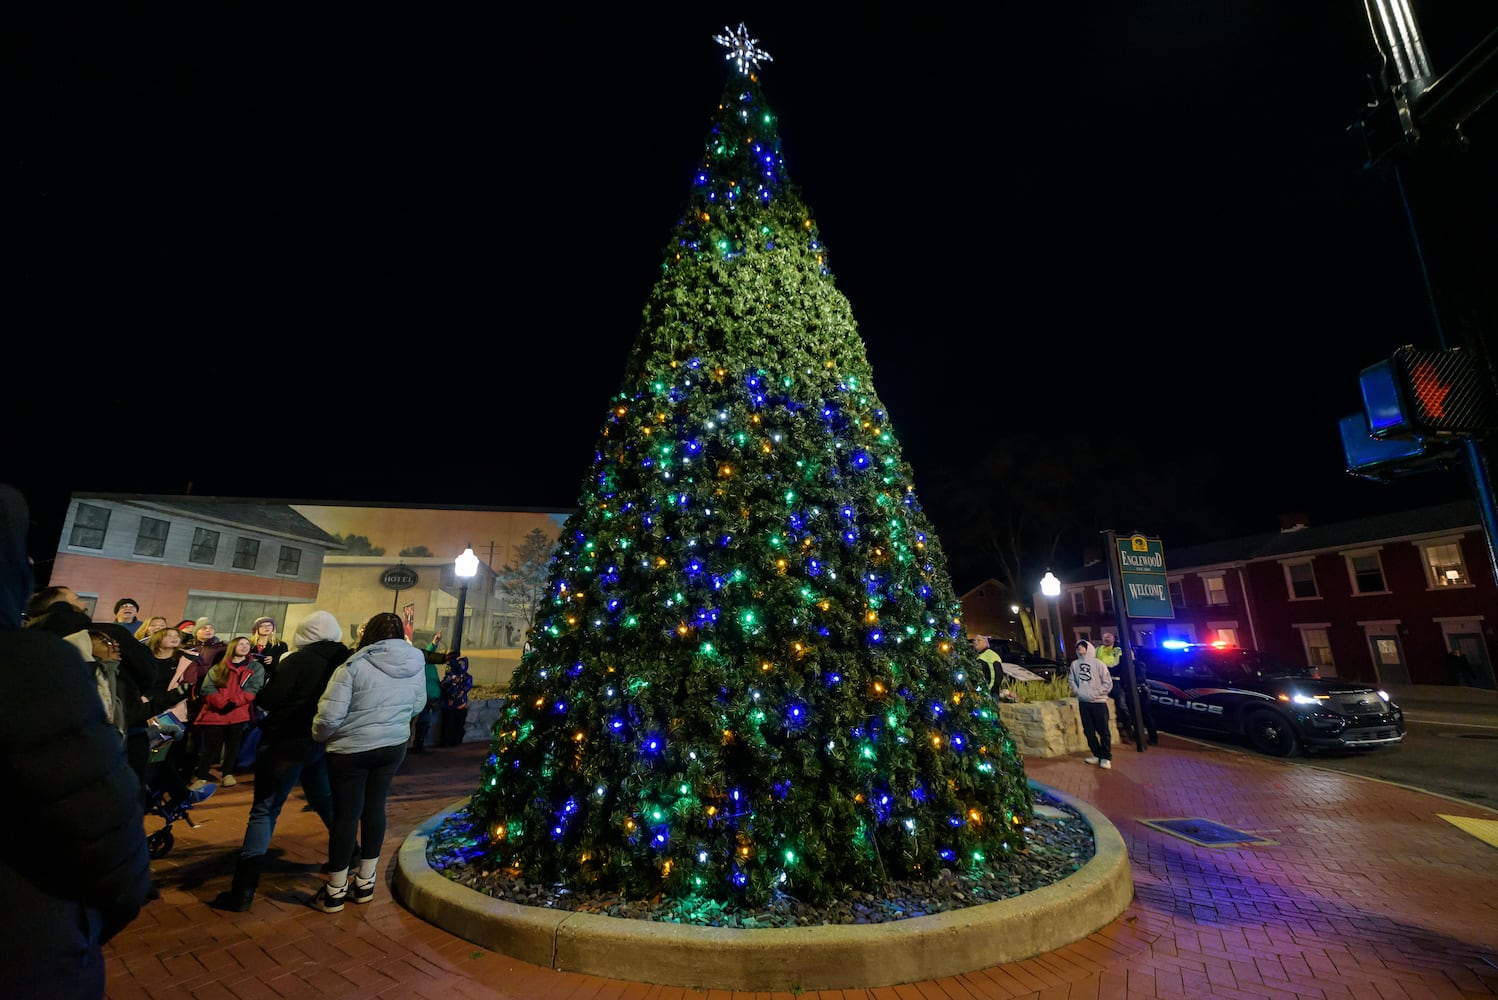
(140, 715)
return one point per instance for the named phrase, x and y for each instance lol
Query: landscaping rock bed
(1058, 843)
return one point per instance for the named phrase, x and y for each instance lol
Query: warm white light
(467, 564)
(1049, 585)
(744, 52)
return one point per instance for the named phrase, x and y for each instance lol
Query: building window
(1302, 580)
(150, 539)
(1079, 602)
(1225, 633)
(1105, 599)
(204, 546)
(90, 524)
(1443, 564)
(246, 553)
(1367, 573)
(1177, 594)
(1177, 633)
(290, 561)
(1318, 645)
(1217, 592)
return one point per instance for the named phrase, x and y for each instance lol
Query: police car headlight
(1303, 699)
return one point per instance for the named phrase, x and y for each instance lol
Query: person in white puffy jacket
(364, 719)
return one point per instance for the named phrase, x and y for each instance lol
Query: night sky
(399, 252)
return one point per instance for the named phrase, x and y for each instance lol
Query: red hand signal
(1430, 391)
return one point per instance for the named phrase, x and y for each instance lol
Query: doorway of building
(1388, 656)
(1471, 646)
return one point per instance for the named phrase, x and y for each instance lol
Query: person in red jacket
(228, 691)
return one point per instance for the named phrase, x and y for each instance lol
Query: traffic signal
(1383, 459)
(1418, 393)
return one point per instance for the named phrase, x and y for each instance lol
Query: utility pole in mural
(747, 672)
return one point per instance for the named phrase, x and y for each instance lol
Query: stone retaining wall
(483, 713)
(1049, 728)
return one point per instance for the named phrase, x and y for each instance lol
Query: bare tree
(524, 581)
(1028, 502)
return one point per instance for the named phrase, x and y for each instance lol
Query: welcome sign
(1141, 563)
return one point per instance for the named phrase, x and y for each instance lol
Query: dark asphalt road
(1450, 746)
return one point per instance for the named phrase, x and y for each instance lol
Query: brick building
(1381, 599)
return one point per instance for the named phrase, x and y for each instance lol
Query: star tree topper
(743, 50)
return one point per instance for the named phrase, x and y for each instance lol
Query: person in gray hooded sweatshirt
(364, 718)
(1091, 682)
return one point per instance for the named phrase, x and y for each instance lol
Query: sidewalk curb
(825, 957)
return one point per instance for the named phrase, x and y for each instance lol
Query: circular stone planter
(824, 957)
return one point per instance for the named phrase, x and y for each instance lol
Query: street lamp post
(1051, 588)
(464, 566)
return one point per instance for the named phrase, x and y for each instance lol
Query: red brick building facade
(1382, 599)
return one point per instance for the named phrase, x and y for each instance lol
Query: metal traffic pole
(1115, 581)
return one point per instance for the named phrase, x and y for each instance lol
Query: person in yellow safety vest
(1111, 654)
(991, 662)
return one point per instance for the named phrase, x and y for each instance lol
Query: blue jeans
(278, 767)
(361, 782)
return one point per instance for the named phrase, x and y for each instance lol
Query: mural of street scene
(233, 561)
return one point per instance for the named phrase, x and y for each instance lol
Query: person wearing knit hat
(205, 643)
(127, 613)
(204, 646)
(286, 754)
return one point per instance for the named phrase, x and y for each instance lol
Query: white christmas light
(742, 50)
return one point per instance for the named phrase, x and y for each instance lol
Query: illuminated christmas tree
(748, 673)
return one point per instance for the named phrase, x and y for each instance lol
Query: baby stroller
(168, 803)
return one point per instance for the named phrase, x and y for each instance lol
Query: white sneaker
(1090, 760)
(1105, 764)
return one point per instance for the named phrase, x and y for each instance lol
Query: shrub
(1051, 690)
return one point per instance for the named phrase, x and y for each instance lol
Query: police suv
(1278, 708)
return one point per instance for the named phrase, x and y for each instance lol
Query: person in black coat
(287, 753)
(74, 867)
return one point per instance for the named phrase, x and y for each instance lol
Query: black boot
(241, 892)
